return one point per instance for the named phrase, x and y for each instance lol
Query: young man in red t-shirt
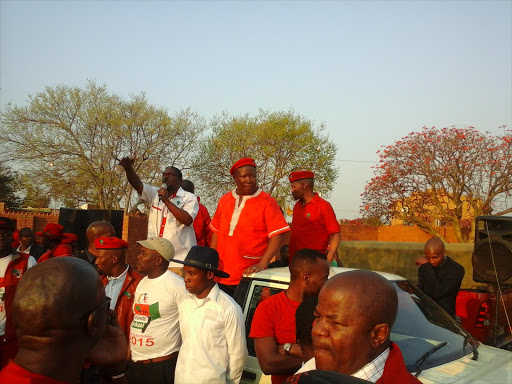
(273, 324)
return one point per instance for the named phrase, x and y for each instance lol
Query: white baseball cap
(162, 246)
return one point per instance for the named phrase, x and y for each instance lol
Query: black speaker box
(77, 220)
(493, 240)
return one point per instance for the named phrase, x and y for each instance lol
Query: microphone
(162, 186)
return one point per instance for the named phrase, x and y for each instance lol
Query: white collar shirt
(162, 221)
(113, 287)
(371, 372)
(374, 369)
(213, 333)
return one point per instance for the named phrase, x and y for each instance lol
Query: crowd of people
(90, 317)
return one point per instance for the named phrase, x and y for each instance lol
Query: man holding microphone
(172, 211)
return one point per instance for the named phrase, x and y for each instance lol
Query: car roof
(283, 274)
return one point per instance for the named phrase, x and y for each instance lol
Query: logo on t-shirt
(143, 314)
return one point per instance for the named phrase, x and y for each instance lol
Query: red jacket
(124, 305)
(61, 251)
(202, 226)
(15, 269)
(395, 371)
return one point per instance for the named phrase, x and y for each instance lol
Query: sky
(371, 71)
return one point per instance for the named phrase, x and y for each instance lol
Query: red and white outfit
(12, 267)
(312, 225)
(243, 231)
(275, 317)
(162, 222)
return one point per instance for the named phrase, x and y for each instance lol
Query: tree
(280, 142)
(446, 174)
(73, 138)
(8, 187)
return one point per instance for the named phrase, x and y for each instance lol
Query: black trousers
(154, 373)
(229, 289)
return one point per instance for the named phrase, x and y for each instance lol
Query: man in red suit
(202, 220)
(119, 279)
(53, 236)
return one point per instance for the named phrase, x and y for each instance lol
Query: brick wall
(134, 228)
(391, 233)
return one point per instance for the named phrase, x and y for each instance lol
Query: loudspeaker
(77, 220)
(493, 239)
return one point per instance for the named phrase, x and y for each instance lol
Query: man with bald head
(95, 230)
(354, 316)
(61, 317)
(440, 277)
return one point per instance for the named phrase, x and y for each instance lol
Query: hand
(253, 269)
(126, 162)
(164, 194)
(111, 351)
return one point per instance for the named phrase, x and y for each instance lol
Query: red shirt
(243, 231)
(312, 225)
(202, 226)
(14, 374)
(275, 317)
(62, 250)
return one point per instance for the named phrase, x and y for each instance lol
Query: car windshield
(421, 325)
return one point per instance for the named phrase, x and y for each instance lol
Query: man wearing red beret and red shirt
(119, 279)
(314, 223)
(248, 226)
(53, 236)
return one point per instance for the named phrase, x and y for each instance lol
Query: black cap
(203, 258)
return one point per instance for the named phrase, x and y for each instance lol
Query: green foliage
(8, 187)
(280, 142)
(73, 138)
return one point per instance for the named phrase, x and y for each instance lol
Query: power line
(356, 161)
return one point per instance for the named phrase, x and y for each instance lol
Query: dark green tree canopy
(280, 142)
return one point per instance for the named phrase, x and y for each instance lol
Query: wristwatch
(287, 347)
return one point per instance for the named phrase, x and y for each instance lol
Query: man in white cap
(155, 332)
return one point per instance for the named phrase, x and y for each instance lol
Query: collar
(236, 196)
(212, 295)
(121, 276)
(374, 369)
(25, 251)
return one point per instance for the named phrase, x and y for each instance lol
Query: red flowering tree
(441, 176)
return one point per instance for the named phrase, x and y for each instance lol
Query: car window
(259, 293)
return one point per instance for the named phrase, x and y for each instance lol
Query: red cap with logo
(110, 243)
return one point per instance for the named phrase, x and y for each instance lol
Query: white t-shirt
(214, 349)
(4, 262)
(180, 235)
(155, 330)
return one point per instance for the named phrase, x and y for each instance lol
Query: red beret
(7, 223)
(52, 231)
(69, 238)
(241, 163)
(110, 243)
(294, 176)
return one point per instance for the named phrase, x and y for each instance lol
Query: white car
(431, 342)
